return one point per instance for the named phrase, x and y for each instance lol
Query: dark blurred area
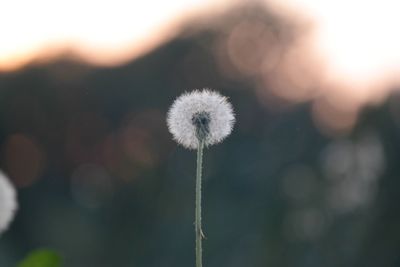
(101, 181)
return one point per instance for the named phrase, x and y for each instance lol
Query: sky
(357, 40)
(104, 32)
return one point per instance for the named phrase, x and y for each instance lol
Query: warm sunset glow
(358, 41)
(104, 32)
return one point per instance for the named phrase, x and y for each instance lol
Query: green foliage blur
(41, 258)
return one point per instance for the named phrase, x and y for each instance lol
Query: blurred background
(307, 178)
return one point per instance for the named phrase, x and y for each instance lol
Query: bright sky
(358, 39)
(102, 31)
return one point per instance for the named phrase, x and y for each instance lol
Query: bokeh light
(353, 169)
(24, 159)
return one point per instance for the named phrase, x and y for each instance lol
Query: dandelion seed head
(8, 202)
(200, 114)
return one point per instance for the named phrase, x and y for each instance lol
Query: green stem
(198, 229)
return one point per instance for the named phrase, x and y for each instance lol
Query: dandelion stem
(198, 229)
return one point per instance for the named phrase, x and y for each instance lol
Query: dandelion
(196, 119)
(200, 112)
(8, 202)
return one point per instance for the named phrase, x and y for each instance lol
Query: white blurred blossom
(8, 202)
(205, 113)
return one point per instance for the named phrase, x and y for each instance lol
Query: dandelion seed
(8, 202)
(204, 113)
(196, 119)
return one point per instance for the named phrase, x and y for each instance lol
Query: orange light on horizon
(356, 47)
(357, 40)
(103, 32)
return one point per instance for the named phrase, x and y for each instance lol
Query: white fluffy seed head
(207, 104)
(8, 202)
